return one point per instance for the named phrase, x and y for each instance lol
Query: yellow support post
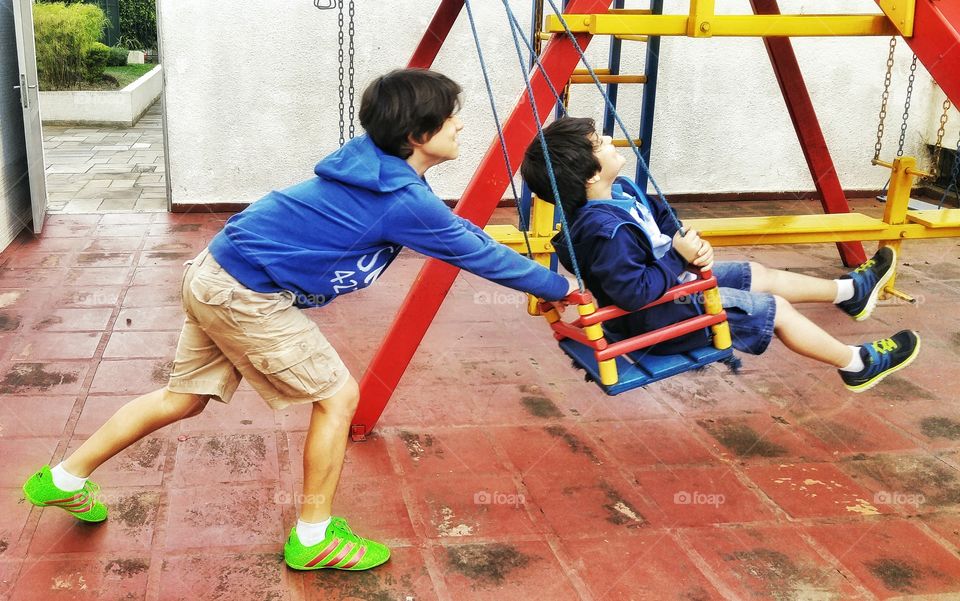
(701, 14)
(895, 211)
(607, 367)
(541, 228)
(721, 331)
(901, 14)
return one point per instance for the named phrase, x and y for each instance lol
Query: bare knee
(183, 405)
(760, 277)
(785, 311)
(343, 404)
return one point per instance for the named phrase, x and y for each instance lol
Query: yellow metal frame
(897, 224)
(703, 22)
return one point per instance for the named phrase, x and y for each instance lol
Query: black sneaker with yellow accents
(882, 358)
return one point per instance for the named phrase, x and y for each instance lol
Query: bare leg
(129, 424)
(794, 287)
(806, 338)
(324, 451)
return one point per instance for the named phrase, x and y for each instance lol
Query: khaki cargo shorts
(231, 332)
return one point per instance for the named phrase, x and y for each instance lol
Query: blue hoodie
(337, 232)
(619, 266)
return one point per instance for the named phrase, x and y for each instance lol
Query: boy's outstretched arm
(422, 222)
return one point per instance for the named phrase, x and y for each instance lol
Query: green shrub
(95, 61)
(138, 24)
(64, 36)
(118, 57)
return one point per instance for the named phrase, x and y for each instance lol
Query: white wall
(251, 96)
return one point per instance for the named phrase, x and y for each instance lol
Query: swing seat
(639, 368)
(618, 364)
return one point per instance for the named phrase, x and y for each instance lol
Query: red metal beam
(435, 34)
(936, 42)
(804, 117)
(479, 200)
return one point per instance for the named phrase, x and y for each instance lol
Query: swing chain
(886, 96)
(906, 106)
(350, 70)
(340, 60)
(938, 146)
(348, 90)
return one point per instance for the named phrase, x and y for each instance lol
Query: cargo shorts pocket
(297, 367)
(210, 293)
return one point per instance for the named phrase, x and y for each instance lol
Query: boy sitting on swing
(631, 257)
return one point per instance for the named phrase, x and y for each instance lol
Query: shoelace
(885, 346)
(870, 263)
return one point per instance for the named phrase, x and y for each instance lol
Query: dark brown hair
(571, 150)
(407, 103)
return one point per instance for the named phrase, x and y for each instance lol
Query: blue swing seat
(642, 368)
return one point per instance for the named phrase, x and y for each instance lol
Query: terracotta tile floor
(496, 472)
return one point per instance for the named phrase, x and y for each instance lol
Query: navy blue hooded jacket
(618, 266)
(337, 232)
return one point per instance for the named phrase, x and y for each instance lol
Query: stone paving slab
(108, 169)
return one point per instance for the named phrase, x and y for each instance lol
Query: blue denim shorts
(750, 314)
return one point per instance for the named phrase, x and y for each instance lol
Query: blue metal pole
(536, 16)
(649, 99)
(613, 64)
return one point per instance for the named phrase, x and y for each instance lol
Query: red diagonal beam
(435, 34)
(805, 122)
(936, 42)
(479, 200)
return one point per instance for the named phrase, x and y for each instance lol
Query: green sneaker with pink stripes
(340, 550)
(81, 504)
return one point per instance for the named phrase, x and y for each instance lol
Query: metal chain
(340, 57)
(886, 96)
(938, 146)
(906, 106)
(351, 71)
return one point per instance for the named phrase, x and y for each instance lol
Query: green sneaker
(82, 504)
(341, 550)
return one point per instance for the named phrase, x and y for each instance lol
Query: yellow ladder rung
(624, 143)
(626, 37)
(609, 79)
(586, 72)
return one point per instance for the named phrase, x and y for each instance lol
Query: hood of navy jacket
(336, 233)
(617, 262)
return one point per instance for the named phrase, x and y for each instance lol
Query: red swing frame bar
(482, 194)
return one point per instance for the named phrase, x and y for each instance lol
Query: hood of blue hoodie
(361, 163)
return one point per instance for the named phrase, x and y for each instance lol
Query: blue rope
(536, 61)
(616, 115)
(546, 153)
(496, 118)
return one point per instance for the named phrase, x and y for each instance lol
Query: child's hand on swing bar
(704, 258)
